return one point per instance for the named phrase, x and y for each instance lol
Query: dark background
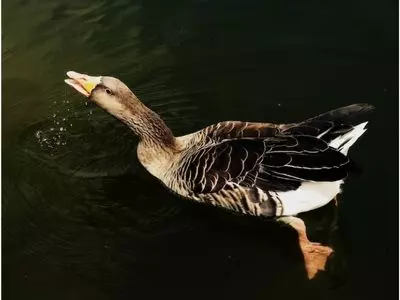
(81, 219)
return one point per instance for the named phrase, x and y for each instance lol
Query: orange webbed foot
(315, 254)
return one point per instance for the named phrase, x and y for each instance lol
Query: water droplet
(51, 129)
(61, 128)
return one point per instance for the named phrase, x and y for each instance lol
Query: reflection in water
(84, 221)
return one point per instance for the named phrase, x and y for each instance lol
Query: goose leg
(315, 255)
(335, 201)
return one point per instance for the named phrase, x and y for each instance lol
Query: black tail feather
(348, 115)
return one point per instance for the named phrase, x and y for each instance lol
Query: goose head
(116, 98)
(108, 92)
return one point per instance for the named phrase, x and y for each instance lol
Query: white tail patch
(345, 141)
(309, 196)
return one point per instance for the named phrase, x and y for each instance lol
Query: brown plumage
(259, 169)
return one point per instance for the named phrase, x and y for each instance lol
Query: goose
(259, 169)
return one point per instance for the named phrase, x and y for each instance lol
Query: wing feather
(268, 156)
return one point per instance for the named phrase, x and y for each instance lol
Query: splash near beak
(82, 82)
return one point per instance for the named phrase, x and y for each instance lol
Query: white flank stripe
(309, 196)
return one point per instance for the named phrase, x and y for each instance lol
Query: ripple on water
(62, 116)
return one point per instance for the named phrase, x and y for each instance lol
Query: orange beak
(83, 83)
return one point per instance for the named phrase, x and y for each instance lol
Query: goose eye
(108, 91)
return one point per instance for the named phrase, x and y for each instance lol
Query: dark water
(81, 219)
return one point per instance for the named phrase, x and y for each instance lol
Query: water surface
(81, 219)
